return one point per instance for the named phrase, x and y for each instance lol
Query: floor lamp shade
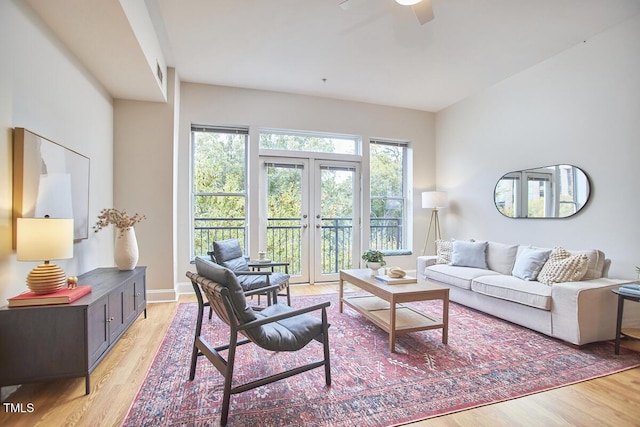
(44, 239)
(434, 200)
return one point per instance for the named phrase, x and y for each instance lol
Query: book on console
(63, 296)
(634, 286)
(629, 291)
(395, 280)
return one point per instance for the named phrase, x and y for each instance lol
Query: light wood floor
(608, 401)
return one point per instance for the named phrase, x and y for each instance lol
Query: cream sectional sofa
(579, 312)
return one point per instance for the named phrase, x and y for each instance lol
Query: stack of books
(63, 296)
(387, 280)
(632, 289)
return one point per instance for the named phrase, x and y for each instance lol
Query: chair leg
(289, 294)
(325, 342)
(228, 378)
(196, 337)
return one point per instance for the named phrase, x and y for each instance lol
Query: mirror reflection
(558, 191)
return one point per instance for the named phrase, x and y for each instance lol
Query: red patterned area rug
(486, 361)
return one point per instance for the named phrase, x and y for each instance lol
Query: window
(388, 175)
(219, 186)
(305, 141)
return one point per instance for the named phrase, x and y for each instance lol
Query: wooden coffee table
(385, 309)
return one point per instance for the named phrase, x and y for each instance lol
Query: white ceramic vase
(374, 266)
(126, 249)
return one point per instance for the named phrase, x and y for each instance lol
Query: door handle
(318, 226)
(305, 225)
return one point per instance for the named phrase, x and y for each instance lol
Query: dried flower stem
(120, 219)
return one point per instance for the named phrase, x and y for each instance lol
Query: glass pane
(387, 196)
(218, 218)
(219, 162)
(337, 219)
(387, 163)
(537, 201)
(506, 196)
(284, 204)
(315, 143)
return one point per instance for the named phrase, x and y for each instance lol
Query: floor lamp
(434, 200)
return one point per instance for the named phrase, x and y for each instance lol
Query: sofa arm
(424, 262)
(585, 311)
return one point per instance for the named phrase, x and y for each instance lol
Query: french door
(310, 210)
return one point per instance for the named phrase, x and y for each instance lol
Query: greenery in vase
(119, 218)
(373, 255)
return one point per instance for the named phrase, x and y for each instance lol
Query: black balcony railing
(284, 239)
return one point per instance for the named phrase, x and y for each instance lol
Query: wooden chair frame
(220, 302)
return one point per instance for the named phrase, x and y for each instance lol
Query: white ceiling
(374, 52)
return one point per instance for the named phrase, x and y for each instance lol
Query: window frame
(194, 195)
(406, 226)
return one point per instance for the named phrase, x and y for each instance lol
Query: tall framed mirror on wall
(557, 191)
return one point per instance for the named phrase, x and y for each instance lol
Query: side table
(258, 266)
(629, 332)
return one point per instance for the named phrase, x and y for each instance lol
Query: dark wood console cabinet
(43, 343)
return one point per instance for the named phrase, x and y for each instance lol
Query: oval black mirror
(558, 191)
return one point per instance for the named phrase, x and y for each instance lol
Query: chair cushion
(289, 334)
(252, 282)
(227, 278)
(228, 253)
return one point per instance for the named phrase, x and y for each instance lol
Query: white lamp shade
(408, 2)
(435, 199)
(44, 239)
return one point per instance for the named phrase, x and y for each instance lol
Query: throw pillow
(469, 254)
(501, 257)
(563, 267)
(443, 251)
(529, 262)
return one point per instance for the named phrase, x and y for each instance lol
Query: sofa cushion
(501, 257)
(460, 277)
(563, 267)
(531, 293)
(469, 254)
(529, 262)
(595, 265)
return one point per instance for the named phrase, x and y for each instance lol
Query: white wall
(215, 105)
(580, 107)
(144, 182)
(44, 89)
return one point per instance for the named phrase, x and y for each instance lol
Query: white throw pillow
(469, 254)
(529, 262)
(443, 251)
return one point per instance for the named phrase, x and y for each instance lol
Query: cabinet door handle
(110, 319)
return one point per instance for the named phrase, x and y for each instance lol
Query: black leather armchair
(228, 253)
(277, 328)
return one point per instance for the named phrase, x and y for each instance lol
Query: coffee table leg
(445, 319)
(341, 287)
(392, 326)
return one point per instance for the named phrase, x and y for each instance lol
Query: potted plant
(374, 259)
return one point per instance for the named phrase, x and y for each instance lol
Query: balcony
(284, 239)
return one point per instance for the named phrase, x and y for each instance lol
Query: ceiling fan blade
(350, 4)
(423, 11)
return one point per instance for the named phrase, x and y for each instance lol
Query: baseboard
(161, 295)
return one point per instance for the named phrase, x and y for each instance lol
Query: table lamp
(434, 200)
(44, 239)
